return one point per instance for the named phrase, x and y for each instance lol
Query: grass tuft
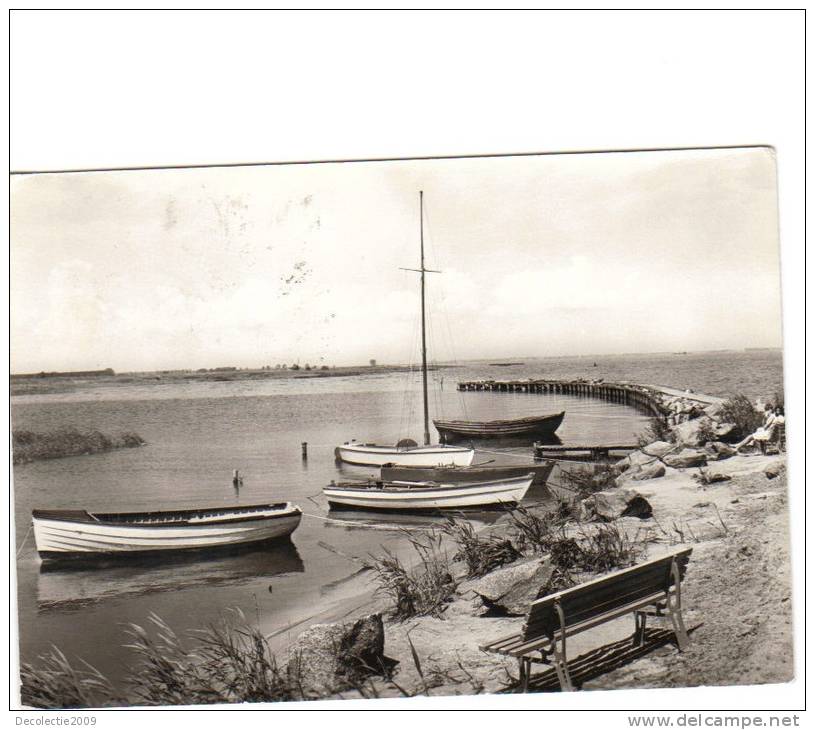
(481, 554)
(424, 589)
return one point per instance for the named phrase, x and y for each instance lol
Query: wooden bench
(553, 618)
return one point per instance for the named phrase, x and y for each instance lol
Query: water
(197, 433)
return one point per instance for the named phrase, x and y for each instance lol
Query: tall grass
(33, 446)
(481, 554)
(423, 589)
(588, 479)
(227, 662)
(55, 684)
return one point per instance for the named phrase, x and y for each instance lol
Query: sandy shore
(736, 596)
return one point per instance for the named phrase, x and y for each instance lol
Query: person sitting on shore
(773, 420)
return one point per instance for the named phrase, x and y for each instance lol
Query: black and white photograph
(366, 430)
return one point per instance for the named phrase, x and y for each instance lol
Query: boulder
(713, 410)
(649, 471)
(687, 433)
(611, 504)
(727, 432)
(719, 450)
(686, 459)
(658, 449)
(328, 658)
(775, 469)
(512, 588)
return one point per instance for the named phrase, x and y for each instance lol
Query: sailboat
(407, 452)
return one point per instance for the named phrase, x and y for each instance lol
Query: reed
(481, 554)
(30, 446)
(423, 589)
(54, 683)
(228, 662)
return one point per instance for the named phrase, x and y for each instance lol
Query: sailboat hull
(424, 496)
(373, 455)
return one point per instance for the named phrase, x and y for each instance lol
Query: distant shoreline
(65, 383)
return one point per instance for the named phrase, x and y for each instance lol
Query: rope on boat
(22, 544)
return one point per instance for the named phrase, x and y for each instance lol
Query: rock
(646, 455)
(713, 410)
(775, 469)
(686, 459)
(727, 432)
(512, 588)
(650, 471)
(658, 449)
(720, 450)
(687, 433)
(611, 504)
(715, 477)
(326, 656)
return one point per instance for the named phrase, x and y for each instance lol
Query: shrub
(422, 590)
(707, 431)
(480, 554)
(739, 410)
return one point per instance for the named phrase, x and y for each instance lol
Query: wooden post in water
(304, 450)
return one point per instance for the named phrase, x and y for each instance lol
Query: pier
(583, 453)
(644, 398)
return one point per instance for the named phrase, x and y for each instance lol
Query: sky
(540, 256)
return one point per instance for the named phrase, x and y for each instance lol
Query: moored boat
(408, 452)
(427, 496)
(543, 427)
(67, 533)
(465, 474)
(427, 456)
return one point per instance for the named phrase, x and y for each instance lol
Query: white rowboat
(422, 496)
(373, 455)
(66, 533)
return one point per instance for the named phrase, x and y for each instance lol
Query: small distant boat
(542, 427)
(466, 474)
(505, 364)
(67, 533)
(427, 496)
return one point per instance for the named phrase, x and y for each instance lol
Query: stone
(611, 504)
(713, 410)
(727, 432)
(512, 588)
(688, 433)
(686, 459)
(658, 449)
(650, 471)
(775, 469)
(719, 450)
(326, 656)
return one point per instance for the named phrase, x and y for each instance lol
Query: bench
(553, 618)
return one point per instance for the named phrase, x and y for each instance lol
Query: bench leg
(524, 668)
(639, 628)
(562, 669)
(678, 624)
(674, 603)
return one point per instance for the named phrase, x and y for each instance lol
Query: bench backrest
(603, 595)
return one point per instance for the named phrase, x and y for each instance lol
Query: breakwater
(655, 400)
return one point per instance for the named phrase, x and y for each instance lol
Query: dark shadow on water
(600, 661)
(74, 583)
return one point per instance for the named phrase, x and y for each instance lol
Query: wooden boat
(67, 533)
(409, 454)
(518, 428)
(463, 475)
(427, 456)
(426, 496)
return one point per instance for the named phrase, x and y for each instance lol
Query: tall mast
(424, 337)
